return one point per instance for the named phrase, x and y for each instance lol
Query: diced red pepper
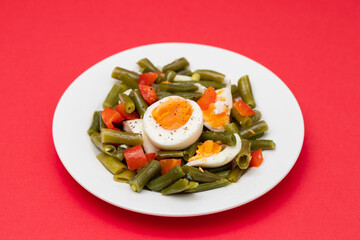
(111, 116)
(243, 109)
(128, 116)
(168, 164)
(148, 78)
(256, 158)
(150, 156)
(135, 157)
(148, 93)
(208, 97)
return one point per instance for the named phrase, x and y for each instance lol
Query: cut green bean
(169, 154)
(124, 176)
(262, 144)
(223, 137)
(215, 85)
(116, 152)
(244, 156)
(223, 174)
(208, 186)
(128, 103)
(256, 116)
(179, 186)
(185, 72)
(231, 128)
(140, 104)
(138, 182)
(257, 136)
(235, 91)
(254, 129)
(235, 174)
(176, 65)
(246, 91)
(170, 75)
(110, 163)
(145, 63)
(118, 71)
(119, 137)
(178, 87)
(195, 76)
(190, 151)
(188, 95)
(210, 75)
(95, 124)
(112, 99)
(219, 169)
(243, 121)
(194, 174)
(126, 79)
(167, 179)
(95, 138)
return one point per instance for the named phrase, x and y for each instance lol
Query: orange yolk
(215, 120)
(207, 149)
(173, 113)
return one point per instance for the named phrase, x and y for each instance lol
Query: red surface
(313, 46)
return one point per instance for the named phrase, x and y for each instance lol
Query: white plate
(279, 108)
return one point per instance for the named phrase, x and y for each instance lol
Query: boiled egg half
(173, 123)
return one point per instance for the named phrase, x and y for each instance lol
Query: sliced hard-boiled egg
(210, 155)
(137, 126)
(173, 123)
(217, 115)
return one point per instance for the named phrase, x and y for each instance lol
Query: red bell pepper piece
(135, 157)
(150, 156)
(168, 164)
(148, 78)
(148, 93)
(128, 116)
(256, 158)
(208, 97)
(243, 109)
(111, 116)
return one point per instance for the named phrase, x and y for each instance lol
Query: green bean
(126, 79)
(112, 99)
(244, 156)
(169, 154)
(124, 176)
(235, 91)
(170, 75)
(145, 70)
(95, 124)
(179, 186)
(145, 63)
(188, 95)
(163, 94)
(185, 72)
(195, 77)
(245, 91)
(110, 163)
(262, 144)
(215, 85)
(155, 86)
(208, 186)
(160, 79)
(95, 138)
(119, 137)
(113, 151)
(178, 87)
(231, 128)
(223, 174)
(140, 104)
(128, 103)
(254, 129)
(254, 137)
(223, 137)
(220, 169)
(166, 180)
(190, 151)
(256, 116)
(176, 65)
(235, 174)
(210, 75)
(138, 182)
(117, 72)
(243, 121)
(194, 174)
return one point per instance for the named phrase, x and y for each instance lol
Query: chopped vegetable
(168, 164)
(147, 78)
(256, 158)
(135, 157)
(128, 116)
(150, 156)
(111, 116)
(208, 97)
(148, 93)
(243, 109)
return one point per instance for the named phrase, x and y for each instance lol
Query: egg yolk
(216, 120)
(173, 113)
(207, 149)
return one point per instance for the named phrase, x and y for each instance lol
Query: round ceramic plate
(279, 109)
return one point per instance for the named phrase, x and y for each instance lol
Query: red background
(313, 46)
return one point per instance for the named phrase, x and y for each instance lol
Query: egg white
(173, 139)
(219, 159)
